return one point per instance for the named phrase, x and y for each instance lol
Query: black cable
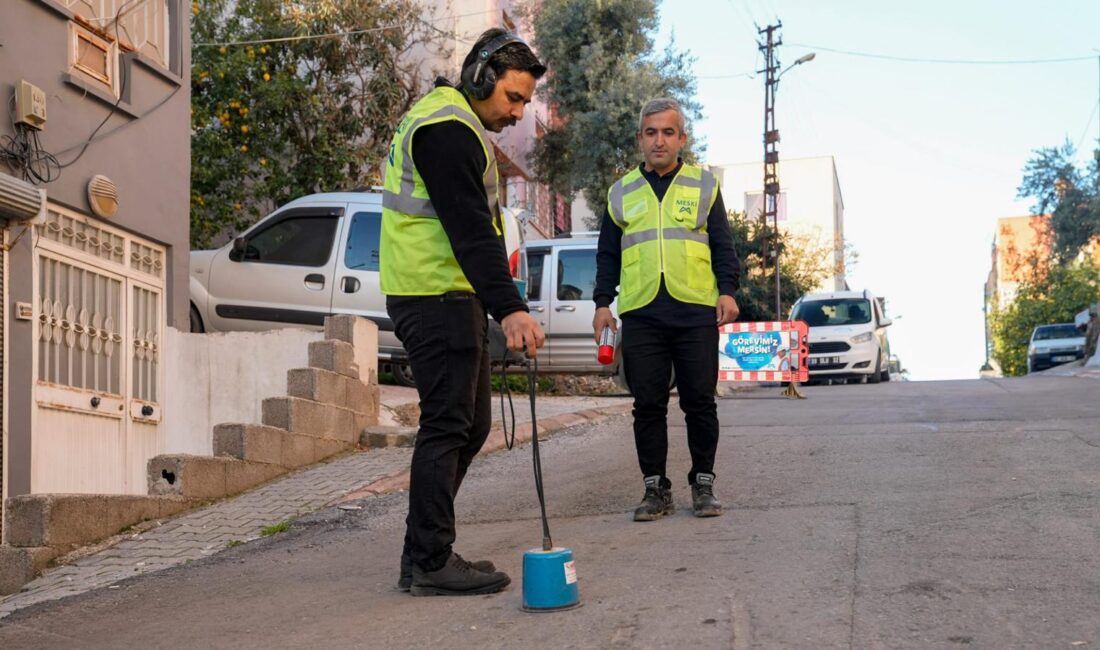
(123, 74)
(505, 389)
(532, 380)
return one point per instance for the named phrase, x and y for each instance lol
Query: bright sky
(928, 155)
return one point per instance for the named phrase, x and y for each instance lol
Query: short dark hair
(513, 56)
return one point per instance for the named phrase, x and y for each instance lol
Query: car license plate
(1064, 357)
(823, 361)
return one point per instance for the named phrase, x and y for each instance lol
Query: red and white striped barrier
(792, 340)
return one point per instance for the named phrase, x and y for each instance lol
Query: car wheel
(403, 375)
(876, 377)
(196, 321)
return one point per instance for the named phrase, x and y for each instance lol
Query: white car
(313, 257)
(847, 336)
(1053, 345)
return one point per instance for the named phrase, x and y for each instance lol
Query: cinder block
(25, 520)
(249, 442)
(362, 398)
(41, 556)
(329, 448)
(16, 569)
(203, 477)
(364, 421)
(170, 505)
(376, 436)
(318, 385)
(311, 418)
(334, 356)
(241, 475)
(362, 334)
(126, 510)
(298, 450)
(65, 521)
(195, 477)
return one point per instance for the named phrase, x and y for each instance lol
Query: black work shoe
(657, 501)
(406, 579)
(703, 502)
(457, 578)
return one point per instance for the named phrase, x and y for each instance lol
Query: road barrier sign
(763, 351)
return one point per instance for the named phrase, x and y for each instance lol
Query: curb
(495, 442)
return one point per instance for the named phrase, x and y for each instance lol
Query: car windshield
(1048, 332)
(833, 311)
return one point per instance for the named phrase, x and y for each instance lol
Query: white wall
(814, 205)
(216, 378)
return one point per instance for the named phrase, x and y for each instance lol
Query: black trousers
(650, 352)
(446, 338)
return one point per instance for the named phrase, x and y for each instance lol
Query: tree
(1069, 193)
(1051, 298)
(603, 68)
(804, 262)
(278, 119)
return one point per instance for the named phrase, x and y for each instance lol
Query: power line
(907, 59)
(748, 75)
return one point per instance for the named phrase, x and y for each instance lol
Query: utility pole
(771, 154)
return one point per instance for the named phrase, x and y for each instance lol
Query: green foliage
(1052, 298)
(275, 529)
(274, 121)
(517, 382)
(603, 70)
(803, 264)
(1068, 193)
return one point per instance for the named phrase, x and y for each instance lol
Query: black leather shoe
(657, 501)
(406, 579)
(703, 501)
(457, 578)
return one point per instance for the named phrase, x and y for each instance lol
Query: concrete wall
(143, 147)
(814, 205)
(216, 378)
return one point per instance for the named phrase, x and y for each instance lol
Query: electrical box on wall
(30, 105)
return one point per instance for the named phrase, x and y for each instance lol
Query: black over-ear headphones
(479, 79)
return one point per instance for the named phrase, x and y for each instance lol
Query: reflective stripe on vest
(415, 255)
(666, 237)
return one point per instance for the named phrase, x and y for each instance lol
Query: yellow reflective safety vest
(667, 237)
(415, 256)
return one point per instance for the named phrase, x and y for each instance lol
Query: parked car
(1053, 345)
(313, 257)
(561, 280)
(847, 336)
(318, 255)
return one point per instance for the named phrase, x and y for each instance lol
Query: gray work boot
(657, 501)
(703, 502)
(457, 578)
(406, 579)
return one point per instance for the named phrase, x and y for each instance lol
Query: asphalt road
(902, 515)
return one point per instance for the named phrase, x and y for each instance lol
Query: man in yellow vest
(666, 243)
(443, 266)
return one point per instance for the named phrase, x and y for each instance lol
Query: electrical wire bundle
(25, 154)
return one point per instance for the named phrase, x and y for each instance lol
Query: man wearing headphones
(443, 266)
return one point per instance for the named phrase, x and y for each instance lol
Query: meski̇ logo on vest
(756, 350)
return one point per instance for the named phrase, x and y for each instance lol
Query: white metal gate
(100, 312)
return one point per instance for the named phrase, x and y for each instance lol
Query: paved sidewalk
(206, 531)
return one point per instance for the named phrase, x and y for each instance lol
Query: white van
(313, 257)
(847, 336)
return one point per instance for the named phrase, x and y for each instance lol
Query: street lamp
(805, 58)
